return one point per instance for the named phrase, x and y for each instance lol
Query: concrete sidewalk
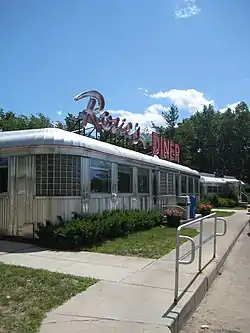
(134, 294)
(101, 266)
(229, 210)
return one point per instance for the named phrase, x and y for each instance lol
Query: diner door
(155, 188)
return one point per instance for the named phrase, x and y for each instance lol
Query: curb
(190, 301)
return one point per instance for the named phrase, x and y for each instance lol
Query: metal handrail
(192, 250)
(202, 242)
(225, 227)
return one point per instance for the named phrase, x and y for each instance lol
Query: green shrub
(229, 199)
(232, 195)
(87, 230)
(232, 203)
(215, 200)
(225, 202)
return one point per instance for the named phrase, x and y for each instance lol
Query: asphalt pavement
(226, 307)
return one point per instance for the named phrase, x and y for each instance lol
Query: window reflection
(125, 179)
(183, 184)
(163, 183)
(196, 185)
(143, 181)
(190, 185)
(100, 176)
(170, 183)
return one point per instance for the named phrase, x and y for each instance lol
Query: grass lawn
(27, 294)
(222, 214)
(153, 243)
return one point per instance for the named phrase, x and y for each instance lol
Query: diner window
(170, 183)
(125, 179)
(190, 185)
(196, 185)
(201, 187)
(210, 189)
(183, 184)
(3, 175)
(223, 189)
(177, 184)
(215, 189)
(219, 189)
(58, 175)
(163, 183)
(100, 176)
(143, 180)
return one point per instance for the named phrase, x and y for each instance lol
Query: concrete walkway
(229, 210)
(134, 294)
(101, 266)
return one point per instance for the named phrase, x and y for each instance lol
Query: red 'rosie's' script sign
(105, 122)
(165, 149)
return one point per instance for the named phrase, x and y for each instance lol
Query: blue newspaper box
(192, 206)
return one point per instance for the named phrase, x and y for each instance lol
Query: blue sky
(142, 55)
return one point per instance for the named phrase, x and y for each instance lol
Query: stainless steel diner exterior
(211, 185)
(45, 173)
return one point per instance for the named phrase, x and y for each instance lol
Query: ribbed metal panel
(50, 208)
(5, 227)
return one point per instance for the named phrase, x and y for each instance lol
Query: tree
(171, 117)
(210, 141)
(185, 136)
(71, 122)
(9, 121)
(206, 128)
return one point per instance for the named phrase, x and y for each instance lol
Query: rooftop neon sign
(165, 149)
(103, 120)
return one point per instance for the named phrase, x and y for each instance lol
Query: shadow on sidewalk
(19, 245)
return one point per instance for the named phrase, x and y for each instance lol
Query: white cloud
(229, 106)
(145, 91)
(191, 99)
(187, 9)
(152, 113)
(59, 113)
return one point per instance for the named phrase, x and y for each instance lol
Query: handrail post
(177, 263)
(215, 236)
(200, 246)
